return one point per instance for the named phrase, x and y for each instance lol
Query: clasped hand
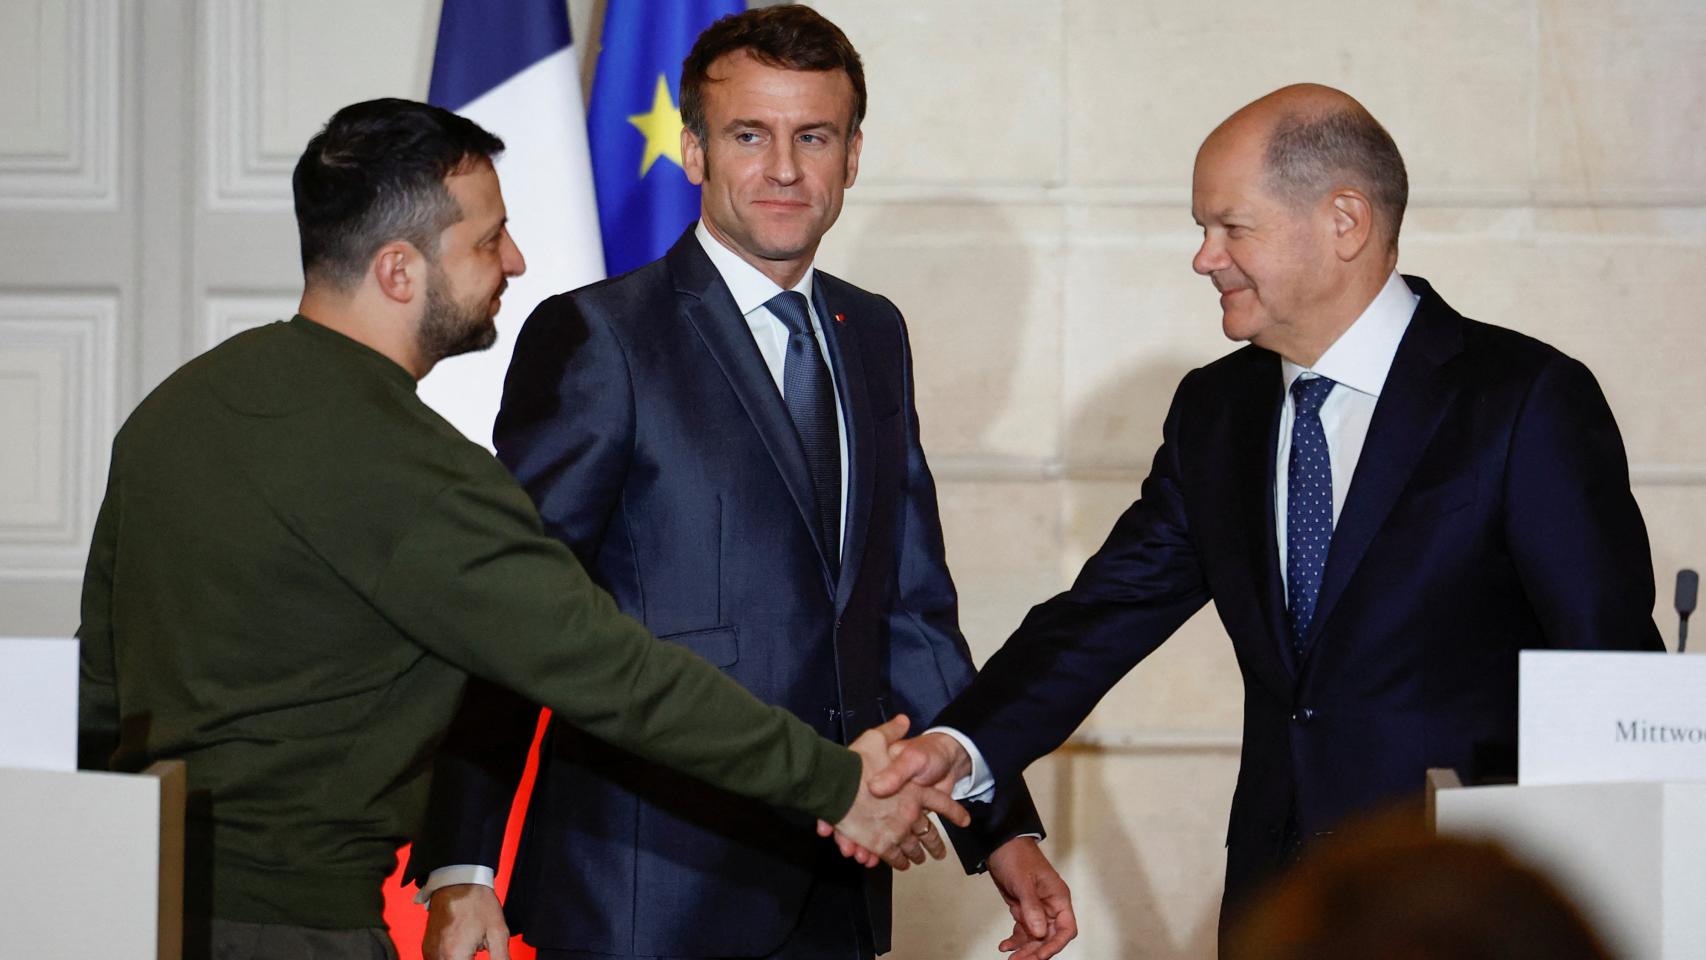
(892, 827)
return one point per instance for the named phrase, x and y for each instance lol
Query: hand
(918, 760)
(935, 760)
(463, 919)
(1041, 904)
(889, 829)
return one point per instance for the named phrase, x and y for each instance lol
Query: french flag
(511, 67)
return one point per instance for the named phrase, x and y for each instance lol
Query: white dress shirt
(1358, 362)
(751, 290)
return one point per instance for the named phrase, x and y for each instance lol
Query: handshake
(902, 781)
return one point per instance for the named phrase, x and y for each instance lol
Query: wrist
(959, 761)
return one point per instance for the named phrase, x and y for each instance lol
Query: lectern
(91, 864)
(1611, 799)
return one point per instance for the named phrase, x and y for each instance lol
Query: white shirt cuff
(979, 785)
(452, 875)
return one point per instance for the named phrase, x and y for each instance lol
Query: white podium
(1631, 855)
(91, 864)
(1612, 796)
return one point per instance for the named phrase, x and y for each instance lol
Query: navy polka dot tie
(1309, 506)
(810, 396)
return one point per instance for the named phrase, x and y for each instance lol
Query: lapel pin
(841, 318)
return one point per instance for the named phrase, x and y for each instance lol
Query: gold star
(662, 128)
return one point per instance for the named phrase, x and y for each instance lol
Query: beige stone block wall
(1025, 200)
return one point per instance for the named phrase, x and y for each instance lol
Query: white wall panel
(228, 314)
(56, 423)
(274, 70)
(59, 64)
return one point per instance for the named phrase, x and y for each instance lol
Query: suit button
(838, 626)
(1303, 715)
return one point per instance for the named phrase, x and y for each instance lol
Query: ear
(399, 271)
(692, 158)
(1353, 223)
(853, 157)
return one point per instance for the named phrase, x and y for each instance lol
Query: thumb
(894, 728)
(498, 947)
(907, 765)
(1035, 917)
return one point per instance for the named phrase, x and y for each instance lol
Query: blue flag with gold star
(634, 125)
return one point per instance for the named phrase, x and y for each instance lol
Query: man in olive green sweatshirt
(297, 564)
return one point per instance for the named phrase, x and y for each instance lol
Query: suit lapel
(707, 304)
(1412, 403)
(847, 360)
(1255, 441)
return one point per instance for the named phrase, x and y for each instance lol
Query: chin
(1242, 327)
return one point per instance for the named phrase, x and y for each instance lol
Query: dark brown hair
(1389, 888)
(375, 174)
(789, 36)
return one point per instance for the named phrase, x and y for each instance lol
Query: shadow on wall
(1116, 863)
(963, 276)
(969, 286)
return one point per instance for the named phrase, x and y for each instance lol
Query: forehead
(475, 190)
(742, 88)
(1230, 173)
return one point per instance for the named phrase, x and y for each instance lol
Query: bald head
(1314, 140)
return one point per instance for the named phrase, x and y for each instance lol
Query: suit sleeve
(1131, 595)
(571, 467)
(97, 692)
(929, 661)
(1571, 523)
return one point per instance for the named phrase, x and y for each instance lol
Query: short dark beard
(449, 329)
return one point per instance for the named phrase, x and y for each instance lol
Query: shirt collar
(1362, 356)
(750, 287)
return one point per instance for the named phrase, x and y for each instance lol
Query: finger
(943, 806)
(825, 828)
(1065, 927)
(913, 849)
(1014, 941)
(497, 944)
(931, 839)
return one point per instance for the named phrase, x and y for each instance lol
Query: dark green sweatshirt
(296, 566)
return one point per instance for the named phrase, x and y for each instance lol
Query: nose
(1211, 256)
(782, 166)
(509, 254)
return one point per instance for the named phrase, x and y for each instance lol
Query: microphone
(1687, 593)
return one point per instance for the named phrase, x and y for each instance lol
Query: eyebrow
(815, 125)
(489, 234)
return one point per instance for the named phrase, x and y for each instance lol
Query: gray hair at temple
(1309, 155)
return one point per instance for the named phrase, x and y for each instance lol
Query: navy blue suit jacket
(641, 418)
(1490, 512)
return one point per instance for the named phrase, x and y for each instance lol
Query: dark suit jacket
(640, 416)
(1490, 512)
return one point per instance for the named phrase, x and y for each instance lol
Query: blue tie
(1308, 507)
(810, 396)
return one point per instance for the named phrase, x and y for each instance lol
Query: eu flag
(634, 122)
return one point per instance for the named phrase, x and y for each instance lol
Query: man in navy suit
(1386, 501)
(726, 437)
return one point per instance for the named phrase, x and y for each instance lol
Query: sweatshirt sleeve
(97, 691)
(477, 582)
